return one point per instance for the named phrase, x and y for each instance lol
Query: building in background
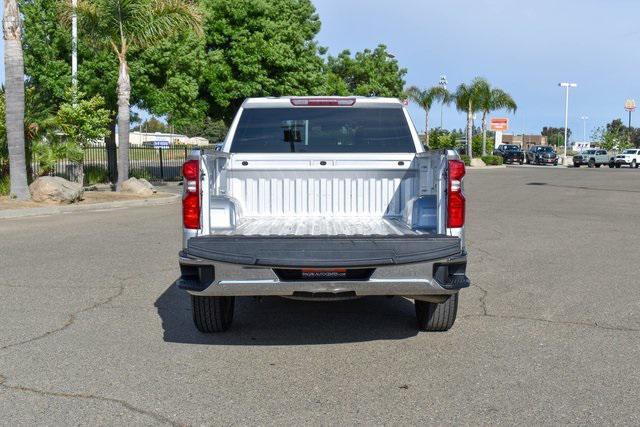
(160, 139)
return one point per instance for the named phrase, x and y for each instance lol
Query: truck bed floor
(319, 226)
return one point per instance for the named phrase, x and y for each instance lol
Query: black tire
(576, 165)
(521, 162)
(591, 163)
(212, 314)
(434, 317)
(598, 165)
(612, 164)
(617, 165)
(634, 164)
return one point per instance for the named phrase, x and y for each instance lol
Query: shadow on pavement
(280, 321)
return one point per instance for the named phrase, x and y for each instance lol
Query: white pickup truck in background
(323, 198)
(629, 157)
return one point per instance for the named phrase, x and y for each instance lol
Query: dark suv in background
(510, 153)
(541, 155)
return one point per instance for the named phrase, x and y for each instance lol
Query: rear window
(323, 130)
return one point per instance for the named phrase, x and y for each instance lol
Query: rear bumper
(437, 277)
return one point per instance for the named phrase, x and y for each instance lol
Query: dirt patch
(89, 198)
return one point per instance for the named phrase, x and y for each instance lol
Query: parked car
(510, 153)
(323, 199)
(592, 157)
(630, 157)
(541, 155)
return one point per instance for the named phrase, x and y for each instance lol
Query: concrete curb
(486, 167)
(52, 210)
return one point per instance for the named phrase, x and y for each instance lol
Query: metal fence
(152, 163)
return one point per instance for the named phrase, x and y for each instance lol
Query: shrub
(95, 175)
(141, 173)
(4, 185)
(466, 159)
(492, 160)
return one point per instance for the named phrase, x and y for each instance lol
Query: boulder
(137, 186)
(477, 163)
(147, 184)
(55, 189)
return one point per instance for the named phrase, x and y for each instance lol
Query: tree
(467, 97)
(14, 114)
(369, 73)
(127, 24)
(212, 130)
(555, 135)
(82, 121)
(425, 98)
(492, 99)
(151, 125)
(259, 48)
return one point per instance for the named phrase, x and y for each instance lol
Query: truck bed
(319, 226)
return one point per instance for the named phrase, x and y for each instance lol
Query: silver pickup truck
(323, 199)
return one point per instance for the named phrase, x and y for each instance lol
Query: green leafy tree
(612, 137)
(81, 121)
(259, 48)
(468, 97)
(212, 130)
(126, 24)
(369, 73)
(425, 99)
(492, 99)
(555, 136)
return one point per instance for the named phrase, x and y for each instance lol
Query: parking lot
(92, 330)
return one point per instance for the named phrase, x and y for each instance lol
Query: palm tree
(14, 117)
(125, 24)
(425, 99)
(468, 99)
(492, 99)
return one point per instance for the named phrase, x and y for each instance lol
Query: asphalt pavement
(93, 332)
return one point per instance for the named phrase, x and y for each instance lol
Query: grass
(4, 185)
(95, 175)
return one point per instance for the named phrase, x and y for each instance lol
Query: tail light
(456, 201)
(191, 196)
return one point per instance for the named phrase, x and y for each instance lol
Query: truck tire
(591, 163)
(634, 164)
(617, 164)
(612, 165)
(212, 314)
(436, 317)
(576, 164)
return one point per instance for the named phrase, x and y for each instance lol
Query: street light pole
(584, 128)
(566, 85)
(443, 84)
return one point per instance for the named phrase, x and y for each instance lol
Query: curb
(486, 167)
(52, 210)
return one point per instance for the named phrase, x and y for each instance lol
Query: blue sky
(524, 47)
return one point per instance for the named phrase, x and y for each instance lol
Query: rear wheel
(576, 165)
(617, 165)
(521, 162)
(212, 314)
(612, 164)
(591, 163)
(634, 164)
(436, 317)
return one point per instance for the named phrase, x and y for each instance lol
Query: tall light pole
(74, 48)
(566, 85)
(443, 84)
(584, 127)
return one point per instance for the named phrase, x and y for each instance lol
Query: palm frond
(153, 20)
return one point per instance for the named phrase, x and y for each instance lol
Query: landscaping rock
(477, 163)
(55, 189)
(147, 184)
(139, 187)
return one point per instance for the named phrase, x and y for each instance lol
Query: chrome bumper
(412, 280)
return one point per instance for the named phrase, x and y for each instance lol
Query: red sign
(499, 124)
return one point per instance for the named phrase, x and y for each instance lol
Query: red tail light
(456, 202)
(191, 196)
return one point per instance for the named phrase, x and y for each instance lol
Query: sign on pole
(630, 105)
(499, 124)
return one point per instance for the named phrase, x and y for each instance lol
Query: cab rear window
(323, 130)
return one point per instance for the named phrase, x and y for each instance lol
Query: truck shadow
(280, 321)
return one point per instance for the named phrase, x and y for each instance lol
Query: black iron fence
(152, 163)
